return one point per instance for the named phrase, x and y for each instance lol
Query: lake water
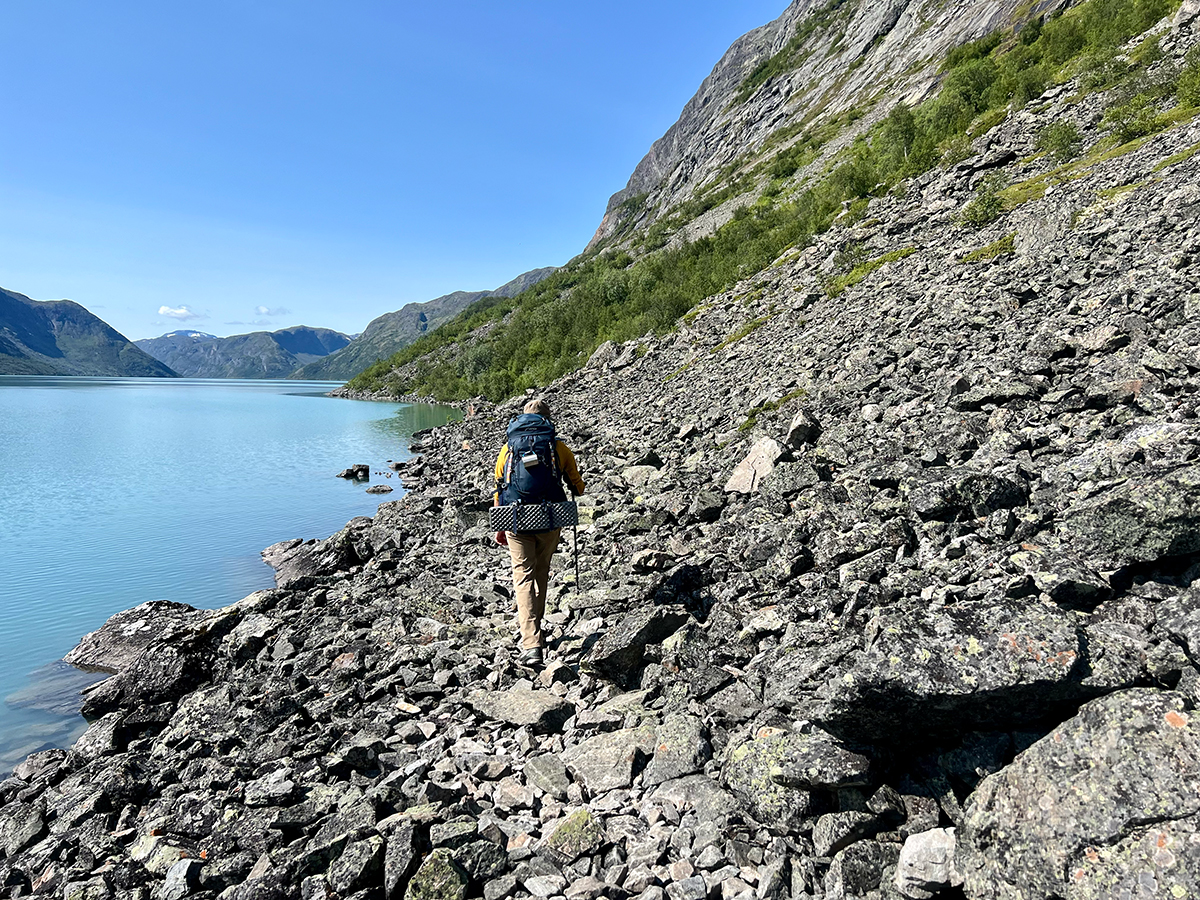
(115, 491)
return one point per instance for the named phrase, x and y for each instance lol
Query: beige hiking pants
(531, 555)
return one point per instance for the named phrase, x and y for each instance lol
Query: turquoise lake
(115, 491)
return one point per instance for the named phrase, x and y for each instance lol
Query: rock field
(887, 592)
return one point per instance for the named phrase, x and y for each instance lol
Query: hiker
(541, 481)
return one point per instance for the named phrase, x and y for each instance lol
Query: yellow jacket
(566, 465)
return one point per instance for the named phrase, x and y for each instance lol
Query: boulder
(1140, 520)
(542, 712)
(817, 760)
(618, 655)
(608, 761)
(116, 645)
(681, 748)
(926, 865)
(547, 773)
(571, 837)
(750, 473)
(747, 774)
(438, 878)
(1070, 814)
(947, 495)
(977, 665)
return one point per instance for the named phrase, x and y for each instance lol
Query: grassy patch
(836, 286)
(774, 405)
(1175, 159)
(749, 328)
(1006, 245)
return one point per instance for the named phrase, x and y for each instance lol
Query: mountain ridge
(257, 354)
(61, 337)
(390, 332)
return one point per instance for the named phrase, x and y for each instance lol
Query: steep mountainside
(819, 60)
(393, 331)
(260, 354)
(60, 337)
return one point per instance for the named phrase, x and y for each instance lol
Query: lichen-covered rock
(968, 666)
(816, 760)
(573, 836)
(1125, 760)
(438, 878)
(747, 774)
(1141, 520)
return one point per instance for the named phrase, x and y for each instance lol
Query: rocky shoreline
(889, 589)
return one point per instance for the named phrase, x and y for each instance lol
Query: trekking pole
(575, 534)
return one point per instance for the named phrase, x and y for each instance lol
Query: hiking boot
(532, 657)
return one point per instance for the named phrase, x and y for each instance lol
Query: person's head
(538, 407)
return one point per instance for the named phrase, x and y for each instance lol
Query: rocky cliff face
(890, 587)
(59, 337)
(830, 57)
(394, 331)
(260, 354)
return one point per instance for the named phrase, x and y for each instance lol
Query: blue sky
(236, 166)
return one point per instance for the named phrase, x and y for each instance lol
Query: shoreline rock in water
(939, 636)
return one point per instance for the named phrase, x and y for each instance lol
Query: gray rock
(697, 792)
(747, 773)
(681, 748)
(926, 866)
(21, 824)
(547, 773)
(692, 888)
(947, 495)
(607, 761)
(360, 865)
(750, 473)
(542, 712)
(618, 655)
(1141, 520)
(836, 831)
(482, 860)
(855, 871)
(1095, 781)
(399, 859)
(182, 879)
(804, 429)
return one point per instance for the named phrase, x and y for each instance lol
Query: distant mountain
(396, 330)
(60, 337)
(260, 354)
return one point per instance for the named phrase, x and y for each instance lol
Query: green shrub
(1060, 139)
(1133, 116)
(986, 207)
(1187, 87)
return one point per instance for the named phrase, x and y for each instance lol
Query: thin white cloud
(266, 311)
(181, 313)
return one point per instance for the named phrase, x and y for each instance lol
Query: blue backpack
(531, 473)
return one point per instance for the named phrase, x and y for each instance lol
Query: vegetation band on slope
(552, 328)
